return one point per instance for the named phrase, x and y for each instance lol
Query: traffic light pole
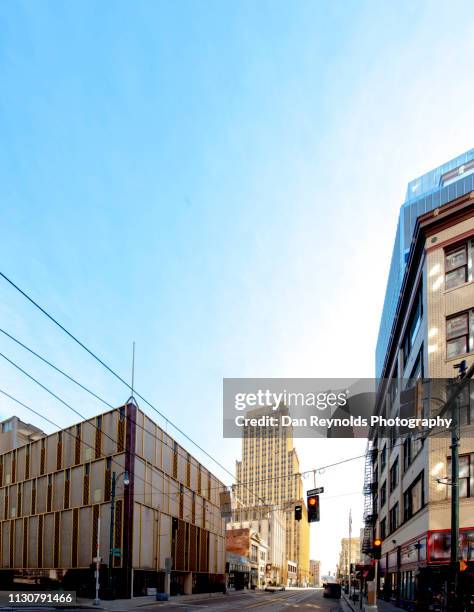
(455, 499)
(452, 407)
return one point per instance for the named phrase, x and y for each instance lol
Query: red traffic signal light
(313, 508)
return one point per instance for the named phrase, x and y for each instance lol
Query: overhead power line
(117, 376)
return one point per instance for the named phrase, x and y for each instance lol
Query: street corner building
(427, 328)
(115, 489)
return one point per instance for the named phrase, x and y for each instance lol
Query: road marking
(268, 600)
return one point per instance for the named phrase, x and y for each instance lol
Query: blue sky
(218, 182)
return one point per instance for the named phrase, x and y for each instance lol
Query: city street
(307, 599)
(294, 599)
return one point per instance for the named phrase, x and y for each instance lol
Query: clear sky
(220, 182)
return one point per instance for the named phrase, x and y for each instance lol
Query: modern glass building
(425, 193)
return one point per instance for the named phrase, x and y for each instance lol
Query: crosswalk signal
(298, 513)
(377, 548)
(313, 508)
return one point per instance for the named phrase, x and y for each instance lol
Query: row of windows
(459, 266)
(413, 497)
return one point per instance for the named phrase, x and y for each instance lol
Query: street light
(126, 482)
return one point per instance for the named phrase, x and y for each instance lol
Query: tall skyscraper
(268, 474)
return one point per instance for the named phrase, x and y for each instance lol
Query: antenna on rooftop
(131, 399)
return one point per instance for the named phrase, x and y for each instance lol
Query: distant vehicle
(332, 590)
(272, 589)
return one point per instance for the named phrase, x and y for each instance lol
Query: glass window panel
(456, 258)
(456, 347)
(456, 278)
(417, 496)
(464, 466)
(456, 326)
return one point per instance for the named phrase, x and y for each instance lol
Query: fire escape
(370, 490)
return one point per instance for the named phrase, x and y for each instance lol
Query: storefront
(417, 573)
(238, 572)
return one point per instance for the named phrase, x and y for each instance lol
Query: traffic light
(313, 508)
(377, 548)
(298, 513)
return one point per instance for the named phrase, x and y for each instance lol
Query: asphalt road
(297, 599)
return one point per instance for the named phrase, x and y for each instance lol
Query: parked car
(332, 589)
(272, 589)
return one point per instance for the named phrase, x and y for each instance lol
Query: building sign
(440, 546)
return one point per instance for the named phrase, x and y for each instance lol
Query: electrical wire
(109, 369)
(152, 434)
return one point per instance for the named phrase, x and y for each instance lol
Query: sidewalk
(124, 605)
(354, 606)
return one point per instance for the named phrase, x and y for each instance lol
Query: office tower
(268, 474)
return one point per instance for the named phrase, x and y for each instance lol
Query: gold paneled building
(53, 491)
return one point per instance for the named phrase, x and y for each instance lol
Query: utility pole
(455, 434)
(455, 500)
(350, 550)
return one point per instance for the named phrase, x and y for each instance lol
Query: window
(394, 475)
(254, 555)
(459, 335)
(383, 529)
(383, 494)
(414, 323)
(8, 426)
(413, 498)
(411, 448)
(456, 266)
(417, 370)
(466, 475)
(383, 458)
(394, 518)
(406, 453)
(393, 436)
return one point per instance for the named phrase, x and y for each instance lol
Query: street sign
(116, 552)
(315, 491)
